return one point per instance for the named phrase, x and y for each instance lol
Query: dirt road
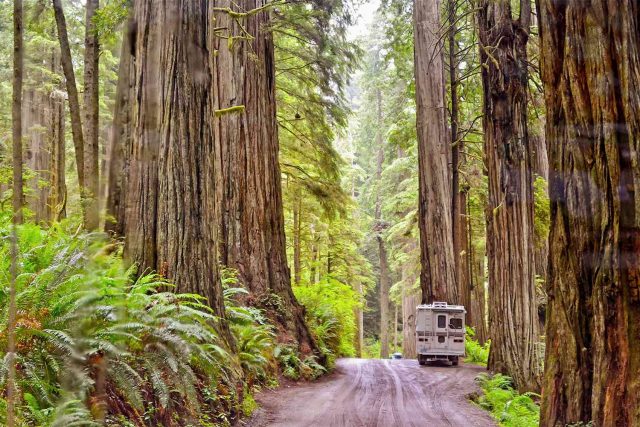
(377, 393)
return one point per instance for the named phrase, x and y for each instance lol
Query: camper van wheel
(421, 361)
(455, 361)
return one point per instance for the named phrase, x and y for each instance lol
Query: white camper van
(440, 332)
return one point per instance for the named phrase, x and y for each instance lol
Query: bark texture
(249, 191)
(435, 196)
(170, 207)
(91, 188)
(591, 64)
(16, 111)
(513, 324)
(119, 151)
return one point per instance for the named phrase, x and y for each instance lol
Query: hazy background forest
(199, 200)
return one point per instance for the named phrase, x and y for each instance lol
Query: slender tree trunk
(35, 124)
(57, 200)
(16, 113)
(18, 203)
(382, 251)
(297, 206)
(437, 279)
(91, 114)
(171, 211)
(458, 221)
(249, 185)
(119, 147)
(590, 63)
(72, 90)
(513, 323)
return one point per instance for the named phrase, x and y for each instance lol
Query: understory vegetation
(475, 352)
(97, 343)
(506, 405)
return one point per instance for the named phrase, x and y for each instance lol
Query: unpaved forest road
(377, 393)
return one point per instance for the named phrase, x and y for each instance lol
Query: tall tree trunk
(385, 281)
(16, 112)
(437, 279)
(513, 324)
(91, 148)
(12, 394)
(458, 221)
(171, 210)
(297, 228)
(120, 135)
(72, 89)
(249, 183)
(590, 63)
(36, 107)
(57, 197)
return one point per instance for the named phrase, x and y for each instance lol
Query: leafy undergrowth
(475, 352)
(330, 306)
(507, 406)
(98, 346)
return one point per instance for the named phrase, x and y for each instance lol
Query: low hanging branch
(230, 110)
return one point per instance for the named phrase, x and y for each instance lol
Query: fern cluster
(475, 352)
(97, 344)
(508, 407)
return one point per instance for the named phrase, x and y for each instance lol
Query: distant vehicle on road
(396, 356)
(440, 332)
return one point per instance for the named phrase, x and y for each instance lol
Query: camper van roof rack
(439, 304)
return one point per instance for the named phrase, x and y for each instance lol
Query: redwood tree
(437, 278)
(590, 67)
(90, 118)
(170, 212)
(513, 326)
(248, 182)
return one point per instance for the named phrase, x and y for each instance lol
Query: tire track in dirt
(377, 393)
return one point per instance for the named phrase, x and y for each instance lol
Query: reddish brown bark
(91, 189)
(513, 324)
(590, 63)
(171, 214)
(249, 181)
(435, 197)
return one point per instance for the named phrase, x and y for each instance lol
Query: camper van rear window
(442, 321)
(455, 324)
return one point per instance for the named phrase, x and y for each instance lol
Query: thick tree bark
(171, 210)
(590, 63)
(72, 89)
(91, 148)
(513, 324)
(249, 182)
(120, 135)
(435, 196)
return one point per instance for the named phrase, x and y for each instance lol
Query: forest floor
(377, 393)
